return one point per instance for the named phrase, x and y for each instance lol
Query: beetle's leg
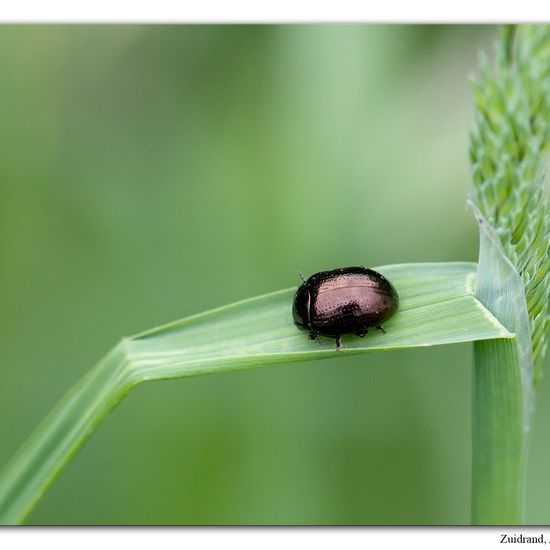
(315, 336)
(338, 343)
(362, 332)
(381, 329)
(302, 276)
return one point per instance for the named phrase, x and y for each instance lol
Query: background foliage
(150, 173)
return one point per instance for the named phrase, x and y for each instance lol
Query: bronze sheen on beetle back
(349, 300)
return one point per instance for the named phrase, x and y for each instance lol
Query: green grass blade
(503, 396)
(499, 435)
(39, 461)
(437, 306)
(507, 151)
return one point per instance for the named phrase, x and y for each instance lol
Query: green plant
(440, 304)
(507, 146)
(437, 307)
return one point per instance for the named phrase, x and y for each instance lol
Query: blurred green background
(152, 172)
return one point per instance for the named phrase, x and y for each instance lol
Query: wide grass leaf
(437, 306)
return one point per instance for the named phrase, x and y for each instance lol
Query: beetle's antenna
(301, 275)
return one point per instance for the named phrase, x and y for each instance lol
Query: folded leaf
(437, 306)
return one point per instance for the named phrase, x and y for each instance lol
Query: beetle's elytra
(349, 300)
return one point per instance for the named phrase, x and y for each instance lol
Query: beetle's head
(300, 309)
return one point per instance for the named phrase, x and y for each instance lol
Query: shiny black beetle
(348, 300)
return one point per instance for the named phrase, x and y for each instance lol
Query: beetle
(348, 300)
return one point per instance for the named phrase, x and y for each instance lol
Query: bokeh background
(151, 172)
